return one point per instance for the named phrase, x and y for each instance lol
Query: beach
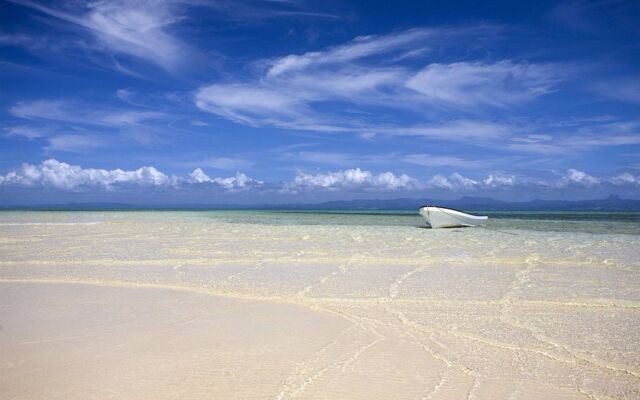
(277, 305)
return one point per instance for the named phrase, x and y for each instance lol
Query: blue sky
(170, 102)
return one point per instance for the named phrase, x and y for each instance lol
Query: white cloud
(123, 118)
(439, 181)
(459, 130)
(27, 132)
(468, 85)
(576, 135)
(624, 89)
(499, 180)
(196, 122)
(227, 163)
(430, 160)
(198, 176)
(73, 143)
(324, 157)
(407, 43)
(359, 48)
(238, 182)
(138, 28)
(53, 174)
(247, 104)
(293, 93)
(572, 178)
(292, 106)
(58, 175)
(57, 110)
(15, 40)
(354, 179)
(575, 177)
(338, 158)
(72, 126)
(346, 83)
(125, 94)
(71, 112)
(454, 181)
(625, 179)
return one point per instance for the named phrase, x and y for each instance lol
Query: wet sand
(174, 305)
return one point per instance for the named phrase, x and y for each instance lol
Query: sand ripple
(172, 306)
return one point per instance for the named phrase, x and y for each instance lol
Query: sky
(285, 101)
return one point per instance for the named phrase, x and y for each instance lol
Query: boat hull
(441, 217)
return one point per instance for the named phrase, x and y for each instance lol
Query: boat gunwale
(449, 208)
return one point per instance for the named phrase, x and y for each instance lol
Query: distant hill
(611, 203)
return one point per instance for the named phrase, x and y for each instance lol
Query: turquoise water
(547, 221)
(586, 222)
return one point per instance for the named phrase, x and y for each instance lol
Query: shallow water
(559, 221)
(537, 305)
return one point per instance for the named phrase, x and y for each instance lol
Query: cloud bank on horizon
(190, 101)
(198, 186)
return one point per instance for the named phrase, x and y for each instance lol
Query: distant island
(611, 203)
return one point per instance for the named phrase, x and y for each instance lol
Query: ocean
(596, 222)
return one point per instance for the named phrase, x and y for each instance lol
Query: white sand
(156, 305)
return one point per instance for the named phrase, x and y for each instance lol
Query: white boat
(442, 217)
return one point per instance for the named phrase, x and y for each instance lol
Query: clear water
(585, 222)
(548, 221)
(553, 300)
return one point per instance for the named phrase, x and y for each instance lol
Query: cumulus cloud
(574, 177)
(354, 179)
(625, 179)
(454, 181)
(62, 176)
(457, 182)
(238, 182)
(499, 180)
(53, 174)
(59, 175)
